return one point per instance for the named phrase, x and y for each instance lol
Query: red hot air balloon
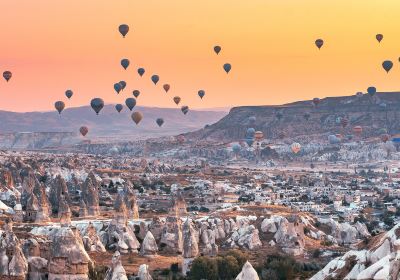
(166, 87)
(358, 130)
(7, 75)
(83, 130)
(177, 99)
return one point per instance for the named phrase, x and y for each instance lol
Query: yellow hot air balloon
(258, 135)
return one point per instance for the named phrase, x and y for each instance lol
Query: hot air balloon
(123, 84)
(382, 131)
(119, 107)
(177, 99)
(166, 87)
(69, 93)
(125, 63)
(379, 37)
(137, 117)
(217, 49)
(357, 130)
(316, 101)
(359, 94)
(155, 79)
(295, 147)
(141, 71)
(333, 139)
(387, 65)
(249, 141)
(59, 105)
(319, 43)
(83, 130)
(136, 93)
(201, 93)
(385, 137)
(117, 87)
(371, 91)
(180, 138)
(123, 29)
(227, 67)
(160, 121)
(236, 148)
(250, 132)
(185, 109)
(7, 75)
(344, 122)
(258, 135)
(252, 120)
(130, 103)
(97, 104)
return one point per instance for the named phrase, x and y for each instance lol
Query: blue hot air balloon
(123, 84)
(371, 91)
(227, 67)
(125, 63)
(119, 107)
(201, 93)
(155, 79)
(130, 103)
(117, 87)
(250, 132)
(387, 65)
(236, 148)
(249, 141)
(141, 71)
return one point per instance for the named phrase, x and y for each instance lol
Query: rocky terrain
(37, 130)
(297, 120)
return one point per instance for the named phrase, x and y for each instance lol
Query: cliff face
(303, 119)
(37, 140)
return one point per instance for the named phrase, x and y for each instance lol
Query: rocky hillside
(34, 130)
(304, 120)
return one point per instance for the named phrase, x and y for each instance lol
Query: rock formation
(144, 273)
(64, 212)
(131, 203)
(149, 245)
(116, 271)
(247, 273)
(58, 188)
(179, 206)
(18, 265)
(68, 258)
(91, 240)
(90, 195)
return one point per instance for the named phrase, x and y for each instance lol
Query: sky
(51, 46)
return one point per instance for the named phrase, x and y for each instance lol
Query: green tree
(228, 267)
(204, 268)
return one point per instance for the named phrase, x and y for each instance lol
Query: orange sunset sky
(54, 45)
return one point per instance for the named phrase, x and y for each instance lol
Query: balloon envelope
(177, 99)
(379, 37)
(250, 132)
(141, 71)
(117, 87)
(249, 141)
(166, 87)
(83, 130)
(69, 93)
(227, 67)
(160, 121)
(185, 109)
(295, 147)
(217, 49)
(136, 93)
(201, 93)
(7, 75)
(123, 84)
(319, 43)
(316, 101)
(97, 104)
(137, 117)
(155, 79)
(125, 63)
(59, 105)
(119, 107)
(123, 29)
(387, 65)
(371, 91)
(130, 103)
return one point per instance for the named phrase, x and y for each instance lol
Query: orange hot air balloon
(83, 130)
(166, 87)
(358, 130)
(385, 137)
(258, 135)
(177, 99)
(137, 117)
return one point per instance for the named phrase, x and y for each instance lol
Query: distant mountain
(44, 129)
(305, 121)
